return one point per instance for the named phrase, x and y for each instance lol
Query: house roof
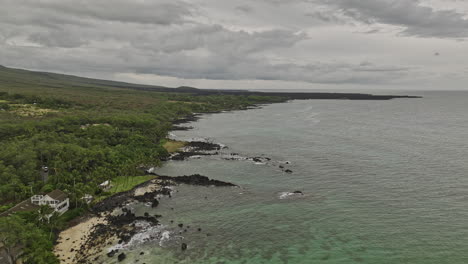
(57, 195)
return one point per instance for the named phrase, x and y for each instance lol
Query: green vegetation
(85, 131)
(25, 240)
(123, 184)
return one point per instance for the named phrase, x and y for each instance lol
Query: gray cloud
(147, 12)
(417, 19)
(245, 8)
(217, 39)
(216, 66)
(311, 41)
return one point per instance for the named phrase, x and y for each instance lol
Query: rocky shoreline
(112, 221)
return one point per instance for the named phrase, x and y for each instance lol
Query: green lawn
(122, 184)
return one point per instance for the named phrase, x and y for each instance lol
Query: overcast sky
(323, 44)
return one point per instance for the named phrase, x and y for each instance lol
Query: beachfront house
(57, 200)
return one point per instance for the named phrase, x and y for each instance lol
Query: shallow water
(383, 182)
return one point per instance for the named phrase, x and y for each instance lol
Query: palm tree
(45, 213)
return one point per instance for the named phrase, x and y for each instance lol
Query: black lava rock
(196, 179)
(121, 257)
(111, 253)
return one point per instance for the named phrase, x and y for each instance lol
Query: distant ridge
(11, 77)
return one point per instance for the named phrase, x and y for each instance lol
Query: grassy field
(123, 184)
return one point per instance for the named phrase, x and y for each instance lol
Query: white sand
(73, 238)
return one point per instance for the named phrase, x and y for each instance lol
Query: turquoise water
(384, 182)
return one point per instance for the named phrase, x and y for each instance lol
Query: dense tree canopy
(90, 143)
(25, 240)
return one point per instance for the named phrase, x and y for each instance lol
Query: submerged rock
(121, 257)
(112, 253)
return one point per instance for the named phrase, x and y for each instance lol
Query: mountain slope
(14, 80)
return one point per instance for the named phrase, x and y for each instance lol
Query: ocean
(382, 182)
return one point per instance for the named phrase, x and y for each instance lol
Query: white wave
(172, 136)
(285, 195)
(233, 157)
(147, 233)
(165, 237)
(199, 139)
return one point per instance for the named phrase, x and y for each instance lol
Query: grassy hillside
(72, 88)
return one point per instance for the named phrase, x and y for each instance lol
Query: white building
(106, 186)
(57, 199)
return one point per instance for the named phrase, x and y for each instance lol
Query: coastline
(146, 117)
(93, 236)
(76, 237)
(110, 223)
(113, 224)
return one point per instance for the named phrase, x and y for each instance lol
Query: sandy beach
(113, 222)
(74, 238)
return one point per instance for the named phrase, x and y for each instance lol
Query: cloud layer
(331, 42)
(416, 18)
